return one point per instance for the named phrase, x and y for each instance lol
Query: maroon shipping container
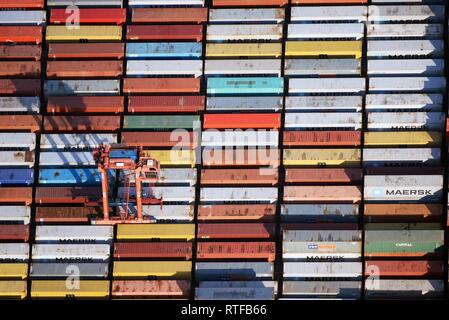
(69, 195)
(20, 87)
(86, 104)
(324, 175)
(81, 123)
(85, 69)
(22, 4)
(21, 34)
(236, 230)
(239, 176)
(396, 268)
(403, 212)
(164, 32)
(20, 122)
(91, 16)
(22, 52)
(66, 214)
(404, 171)
(322, 138)
(151, 288)
(86, 50)
(320, 226)
(20, 69)
(153, 250)
(165, 15)
(251, 3)
(161, 85)
(236, 250)
(159, 139)
(16, 195)
(14, 232)
(177, 104)
(241, 212)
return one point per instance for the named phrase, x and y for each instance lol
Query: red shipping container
(164, 32)
(21, 34)
(66, 214)
(22, 52)
(151, 288)
(92, 16)
(241, 212)
(242, 121)
(161, 85)
(236, 250)
(20, 122)
(235, 230)
(239, 176)
(320, 226)
(20, 69)
(81, 123)
(21, 4)
(20, 87)
(403, 212)
(69, 195)
(84, 69)
(249, 3)
(14, 232)
(158, 139)
(169, 104)
(85, 104)
(16, 195)
(322, 138)
(152, 250)
(413, 269)
(86, 50)
(164, 15)
(324, 175)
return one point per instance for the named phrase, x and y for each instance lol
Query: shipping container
(16, 159)
(323, 120)
(238, 176)
(323, 103)
(86, 50)
(405, 138)
(236, 250)
(349, 194)
(226, 212)
(241, 157)
(71, 252)
(248, 138)
(160, 139)
(243, 50)
(164, 32)
(168, 213)
(397, 268)
(242, 121)
(74, 234)
(401, 48)
(20, 17)
(20, 87)
(239, 194)
(243, 67)
(420, 84)
(179, 289)
(234, 271)
(86, 104)
(311, 2)
(84, 69)
(20, 104)
(304, 270)
(402, 13)
(161, 122)
(14, 252)
(321, 138)
(16, 195)
(81, 123)
(239, 104)
(13, 289)
(317, 213)
(169, 176)
(323, 289)
(167, 193)
(66, 270)
(20, 69)
(85, 3)
(13, 271)
(12, 232)
(173, 157)
(81, 87)
(21, 34)
(405, 289)
(246, 15)
(87, 15)
(423, 30)
(235, 293)
(16, 176)
(403, 212)
(28, 4)
(244, 32)
(406, 120)
(327, 85)
(326, 31)
(84, 33)
(249, 3)
(180, 270)
(76, 141)
(15, 214)
(235, 231)
(322, 67)
(67, 195)
(153, 250)
(308, 49)
(168, 104)
(66, 214)
(337, 175)
(245, 85)
(166, 50)
(156, 231)
(45, 289)
(164, 68)
(22, 140)
(171, 14)
(161, 85)
(401, 157)
(22, 122)
(322, 157)
(329, 13)
(322, 250)
(402, 226)
(404, 102)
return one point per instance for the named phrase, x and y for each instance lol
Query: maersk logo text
(408, 192)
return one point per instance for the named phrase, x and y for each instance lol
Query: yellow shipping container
(61, 33)
(173, 157)
(13, 289)
(61, 289)
(322, 157)
(406, 138)
(155, 231)
(13, 270)
(243, 50)
(144, 269)
(324, 48)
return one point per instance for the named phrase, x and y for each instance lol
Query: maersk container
(403, 102)
(71, 252)
(85, 3)
(239, 194)
(408, 84)
(235, 293)
(401, 157)
(321, 236)
(352, 270)
(73, 176)
(67, 159)
(322, 250)
(81, 87)
(434, 121)
(66, 270)
(308, 67)
(405, 289)
(17, 158)
(250, 138)
(329, 13)
(243, 67)
(319, 212)
(233, 270)
(403, 13)
(321, 120)
(16, 177)
(168, 213)
(74, 234)
(245, 85)
(22, 140)
(243, 32)
(326, 31)
(327, 85)
(161, 122)
(166, 50)
(15, 214)
(322, 289)
(27, 17)
(423, 67)
(244, 103)
(14, 252)
(426, 31)
(20, 104)
(168, 194)
(405, 48)
(76, 141)
(164, 68)
(324, 103)
(168, 176)
(246, 15)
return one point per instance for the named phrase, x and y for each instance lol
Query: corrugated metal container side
(243, 67)
(20, 87)
(403, 212)
(44, 289)
(16, 177)
(152, 250)
(410, 288)
(322, 157)
(74, 141)
(247, 15)
(244, 103)
(155, 231)
(81, 123)
(151, 288)
(163, 15)
(87, 15)
(84, 69)
(403, 138)
(16, 17)
(67, 195)
(321, 138)
(13, 289)
(337, 175)
(72, 176)
(74, 234)
(242, 121)
(10, 271)
(168, 104)
(233, 271)
(339, 194)
(14, 252)
(14, 232)
(249, 3)
(324, 103)
(180, 270)
(226, 212)
(86, 104)
(86, 50)
(241, 157)
(398, 268)
(323, 120)
(15, 214)
(20, 122)
(64, 270)
(16, 195)
(403, 102)
(161, 122)
(235, 230)
(245, 85)
(16, 159)
(71, 252)
(167, 50)
(83, 32)
(244, 32)
(20, 69)
(20, 104)
(161, 85)
(29, 4)
(243, 194)
(164, 32)
(329, 13)
(81, 87)
(236, 250)
(243, 50)
(300, 270)
(323, 289)
(238, 176)
(236, 293)
(66, 214)
(318, 213)
(21, 34)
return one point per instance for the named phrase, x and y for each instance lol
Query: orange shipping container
(86, 50)
(164, 15)
(159, 139)
(242, 121)
(20, 122)
(348, 194)
(161, 85)
(20, 87)
(164, 32)
(85, 104)
(324, 175)
(16, 195)
(403, 212)
(241, 212)
(22, 4)
(84, 69)
(168, 104)
(81, 123)
(66, 214)
(396, 268)
(236, 250)
(323, 2)
(20, 69)
(22, 52)
(151, 288)
(239, 176)
(21, 34)
(321, 138)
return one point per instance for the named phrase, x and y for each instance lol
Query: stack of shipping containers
(404, 237)
(321, 241)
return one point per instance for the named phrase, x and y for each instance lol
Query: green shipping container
(161, 122)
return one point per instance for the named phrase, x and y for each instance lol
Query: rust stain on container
(340, 194)
(236, 250)
(68, 195)
(84, 69)
(21, 34)
(20, 122)
(20, 69)
(81, 123)
(164, 32)
(13, 232)
(322, 138)
(151, 288)
(66, 214)
(262, 212)
(16, 195)
(396, 268)
(85, 104)
(161, 85)
(23, 52)
(160, 139)
(235, 230)
(239, 176)
(23, 87)
(403, 212)
(324, 175)
(177, 104)
(149, 250)
(86, 50)
(164, 15)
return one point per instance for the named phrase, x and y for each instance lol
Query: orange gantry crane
(145, 169)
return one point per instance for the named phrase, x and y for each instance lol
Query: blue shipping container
(76, 176)
(128, 154)
(245, 85)
(16, 177)
(163, 50)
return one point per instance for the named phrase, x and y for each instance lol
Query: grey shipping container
(319, 212)
(65, 270)
(233, 270)
(323, 289)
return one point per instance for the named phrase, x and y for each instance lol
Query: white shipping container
(22, 140)
(15, 214)
(166, 2)
(327, 85)
(401, 48)
(67, 159)
(323, 289)
(81, 87)
(67, 252)
(14, 252)
(168, 194)
(239, 194)
(401, 157)
(74, 234)
(326, 31)
(248, 138)
(390, 13)
(406, 120)
(322, 269)
(424, 67)
(322, 67)
(421, 84)
(422, 30)
(322, 250)
(234, 294)
(321, 235)
(243, 67)
(244, 103)
(167, 212)
(329, 13)
(20, 17)
(318, 120)
(17, 158)
(20, 104)
(247, 15)
(164, 67)
(76, 140)
(86, 3)
(406, 288)
(324, 103)
(169, 176)
(228, 32)
(402, 102)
